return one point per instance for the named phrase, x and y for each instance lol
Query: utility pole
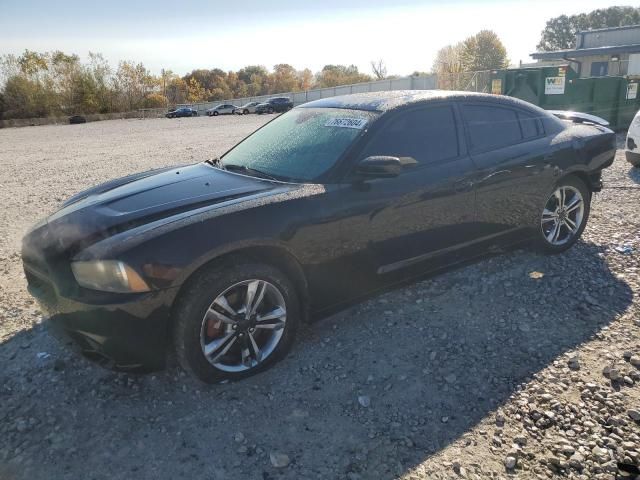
(164, 87)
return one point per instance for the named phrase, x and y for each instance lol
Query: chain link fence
(465, 81)
(417, 82)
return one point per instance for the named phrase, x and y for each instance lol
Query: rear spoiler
(577, 117)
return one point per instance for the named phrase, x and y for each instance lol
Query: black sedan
(321, 207)
(275, 105)
(182, 112)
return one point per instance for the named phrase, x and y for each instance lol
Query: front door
(394, 223)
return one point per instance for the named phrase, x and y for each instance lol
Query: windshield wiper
(215, 162)
(248, 170)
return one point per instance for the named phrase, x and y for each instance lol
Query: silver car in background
(632, 145)
(222, 109)
(246, 108)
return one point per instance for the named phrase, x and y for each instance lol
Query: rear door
(512, 153)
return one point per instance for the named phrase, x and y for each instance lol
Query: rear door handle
(494, 175)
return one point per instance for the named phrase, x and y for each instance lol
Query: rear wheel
(564, 216)
(234, 321)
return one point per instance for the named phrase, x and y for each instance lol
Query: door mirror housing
(379, 166)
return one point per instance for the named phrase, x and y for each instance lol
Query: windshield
(301, 144)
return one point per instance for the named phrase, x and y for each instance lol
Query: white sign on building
(554, 85)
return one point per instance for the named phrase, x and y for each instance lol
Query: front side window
(301, 144)
(491, 127)
(426, 135)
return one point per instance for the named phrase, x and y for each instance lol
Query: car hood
(129, 202)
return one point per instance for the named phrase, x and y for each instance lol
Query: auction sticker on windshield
(358, 123)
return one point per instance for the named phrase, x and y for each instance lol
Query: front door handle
(463, 186)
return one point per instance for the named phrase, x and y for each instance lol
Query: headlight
(108, 276)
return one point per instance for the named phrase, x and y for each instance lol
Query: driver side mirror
(379, 166)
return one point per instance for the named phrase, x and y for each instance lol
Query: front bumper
(122, 331)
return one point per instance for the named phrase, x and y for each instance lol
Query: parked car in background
(632, 145)
(276, 104)
(76, 119)
(247, 108)
(324, 206)
(182, 112)
(222, 109)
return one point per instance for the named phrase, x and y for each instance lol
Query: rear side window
(491, 127)
(427, 135)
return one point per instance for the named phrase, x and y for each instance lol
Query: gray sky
(185, 35)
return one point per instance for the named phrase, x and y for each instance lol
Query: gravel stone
(510, 462)
(465, 366)
(279, 460)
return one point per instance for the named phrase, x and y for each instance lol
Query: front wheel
(270, 110)
(245, 112)
(564, 216)
(234, 321)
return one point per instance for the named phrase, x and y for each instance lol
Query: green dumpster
(616, 99)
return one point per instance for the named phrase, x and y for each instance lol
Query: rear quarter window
(529, 125)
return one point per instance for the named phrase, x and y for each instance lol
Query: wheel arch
(273, 255)
(590, 179)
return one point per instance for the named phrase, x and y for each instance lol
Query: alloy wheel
(563, 215)
(243, 325)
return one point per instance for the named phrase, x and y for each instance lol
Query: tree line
(38, 84)
(454, 64)
(560, 32)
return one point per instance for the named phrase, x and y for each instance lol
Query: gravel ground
(518, 366)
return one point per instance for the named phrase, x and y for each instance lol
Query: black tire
(633, 158)
(270, 110)
(542, 242)
(202, 289)
(215, 114)
(245, 112)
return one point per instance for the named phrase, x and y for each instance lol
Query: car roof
(390, 100)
